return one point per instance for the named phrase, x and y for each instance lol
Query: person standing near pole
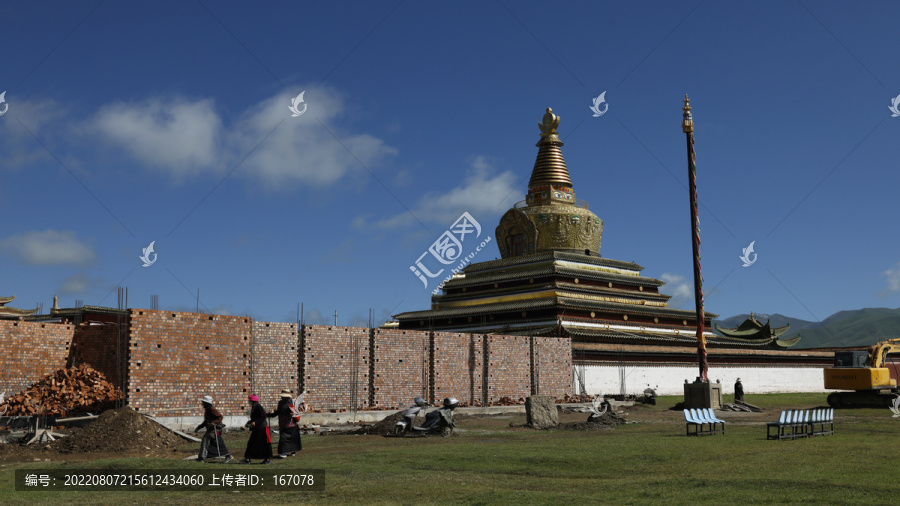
(259, 446)
(288, 430)
(212, 444)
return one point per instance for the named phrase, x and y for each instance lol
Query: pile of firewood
(73, 389)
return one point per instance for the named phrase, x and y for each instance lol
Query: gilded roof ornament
(550, 123)
(687, 124)
(549, 167)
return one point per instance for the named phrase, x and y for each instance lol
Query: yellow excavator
(866, 373)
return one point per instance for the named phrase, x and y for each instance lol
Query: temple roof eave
(552, 255)
(549, 269)
(16, 312)
(550, 302)
(557, 286)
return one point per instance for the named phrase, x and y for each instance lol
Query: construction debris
(742, 406)
(75, 389)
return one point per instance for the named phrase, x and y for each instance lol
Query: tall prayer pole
(687, 126)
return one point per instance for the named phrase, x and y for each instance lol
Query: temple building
(753, 330)
(11, 312)
(552, 280)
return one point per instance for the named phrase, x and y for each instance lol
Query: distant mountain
(860, 327)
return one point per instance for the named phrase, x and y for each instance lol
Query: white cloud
(681, 290)
(892, 276)
(358, 321)
(482, 194)
(190, 137)
(49, 247)
(17, 141)
(301, 149)
(177, 135)
(315, 317)
(78, 284)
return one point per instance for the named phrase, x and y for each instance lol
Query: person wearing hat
(288, 430)
(738, 391)
(259, 446)
(212, 445)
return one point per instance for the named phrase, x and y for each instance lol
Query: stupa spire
(550, 166)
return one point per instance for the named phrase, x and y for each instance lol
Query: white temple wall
(669, 379)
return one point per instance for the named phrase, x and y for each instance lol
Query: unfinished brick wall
(401, 367)
(335, 365)
(458, 369)
(95, 345)
(175, 358)
(552, 366)
(31, 350)
(508, 367)
(274, 355)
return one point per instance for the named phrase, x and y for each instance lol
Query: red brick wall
(335, 360)
(458, 367)
(95, 345)
(509, 367)
(173, 359)
(274, 361)
(31, 350)
(401, 367)
(552, 366)
(176, 358)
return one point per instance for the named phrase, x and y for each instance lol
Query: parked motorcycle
(439, 421)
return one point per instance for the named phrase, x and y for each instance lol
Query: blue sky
(134, 122)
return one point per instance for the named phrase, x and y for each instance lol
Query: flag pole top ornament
(549, 124)
(687, 124)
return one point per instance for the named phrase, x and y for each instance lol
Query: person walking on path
(259, 446)
(212, 445)
(738, 391)
(288, 430)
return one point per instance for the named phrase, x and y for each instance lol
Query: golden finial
(687, 123)
(550, 123)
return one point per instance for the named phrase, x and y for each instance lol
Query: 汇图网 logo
(746, 256)
(448, 249)
(596, 107)
(896, 407)
(295, 102)
(146, 256)
(895, 106)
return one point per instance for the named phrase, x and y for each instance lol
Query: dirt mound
(119, 430)
(608, 420)
(383, 428)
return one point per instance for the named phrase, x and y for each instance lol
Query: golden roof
(549, 167)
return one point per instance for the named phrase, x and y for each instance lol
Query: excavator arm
(879, 352)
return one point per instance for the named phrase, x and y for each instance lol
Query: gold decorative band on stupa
(549, 167)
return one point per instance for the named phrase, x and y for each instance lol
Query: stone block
(540, 411)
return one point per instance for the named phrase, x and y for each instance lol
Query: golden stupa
(550, 218)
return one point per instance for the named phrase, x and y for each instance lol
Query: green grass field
(489, 462)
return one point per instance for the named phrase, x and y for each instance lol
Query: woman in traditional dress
(259, 446)
(288, 431)
(212, 445)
